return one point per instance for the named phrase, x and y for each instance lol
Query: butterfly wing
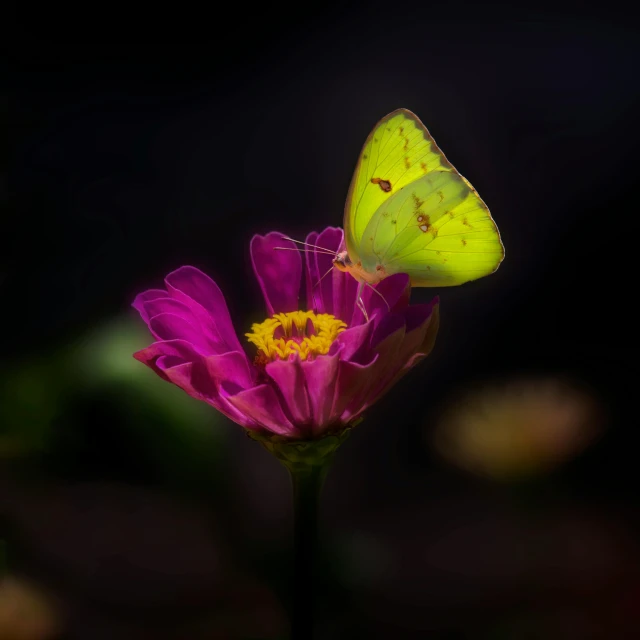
(410, 211)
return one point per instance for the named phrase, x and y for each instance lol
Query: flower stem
(308, 462)
(307, 483)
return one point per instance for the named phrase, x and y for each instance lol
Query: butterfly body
(343, 262)
(409, 211)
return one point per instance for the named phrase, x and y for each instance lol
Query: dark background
(129, 160)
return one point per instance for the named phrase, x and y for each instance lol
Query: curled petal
(180, 348)
(157, 306)
(167, 326)
(181, 376)
(180, 351)
(203, 296)
(141, 298)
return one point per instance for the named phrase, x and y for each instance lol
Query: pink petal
(388, 363)
(200, 293)
(310, 278)
(232, 369)
(334, 293)
(353, 343)
(352, 386)
(321, 377)
(167, 326)
(181, 376)
(141, 298)
(181, 350)
(261, 404)
(289, 379)
(416, 314)
(278, 272)
(157, 306)
(417, 345)
(391, 294)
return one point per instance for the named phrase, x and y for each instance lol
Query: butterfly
(409, 211)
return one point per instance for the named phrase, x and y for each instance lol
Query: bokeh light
(518, 428)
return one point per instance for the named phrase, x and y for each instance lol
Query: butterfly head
(342, 261)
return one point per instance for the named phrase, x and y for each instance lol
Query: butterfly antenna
(319, 249)
(313, 246)
(313, 295)
(324, 276)
(374, 289)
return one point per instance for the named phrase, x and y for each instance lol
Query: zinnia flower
(315, 363)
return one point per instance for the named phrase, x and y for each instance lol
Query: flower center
(305, 333)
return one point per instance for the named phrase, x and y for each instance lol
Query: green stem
(307, 483)
(308, 462)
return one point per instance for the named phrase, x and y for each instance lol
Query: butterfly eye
(339, 264)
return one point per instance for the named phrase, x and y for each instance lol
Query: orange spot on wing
(464, 242)
(385, 185)
(465, 222)
(400, 131)
(406, 144)
(423, 166)
(441, 195)
(417, 203)
(407, 164)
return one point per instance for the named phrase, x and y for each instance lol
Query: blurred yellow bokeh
(518, 428)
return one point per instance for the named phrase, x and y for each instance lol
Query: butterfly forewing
(397, 152)
(449, 237)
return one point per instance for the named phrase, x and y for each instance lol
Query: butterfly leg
(360, 301)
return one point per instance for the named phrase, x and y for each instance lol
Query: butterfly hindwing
(437, 230)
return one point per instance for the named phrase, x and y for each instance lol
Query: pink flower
(314, 372)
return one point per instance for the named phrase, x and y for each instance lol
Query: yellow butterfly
(409, 211)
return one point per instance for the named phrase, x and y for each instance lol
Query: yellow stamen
(306, 333)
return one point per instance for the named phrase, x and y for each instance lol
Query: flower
(313, 371)
(518, 429)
